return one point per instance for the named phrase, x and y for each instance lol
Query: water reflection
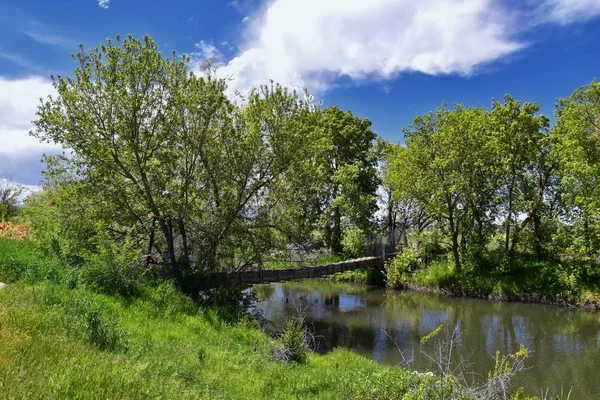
(565, 344)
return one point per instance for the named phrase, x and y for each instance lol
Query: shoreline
(592, 304)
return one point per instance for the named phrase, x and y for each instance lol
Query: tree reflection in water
(564, 343)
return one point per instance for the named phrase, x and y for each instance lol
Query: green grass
(60, 340)
(367, 276)
(550, 281)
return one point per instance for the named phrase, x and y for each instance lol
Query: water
(387, 326)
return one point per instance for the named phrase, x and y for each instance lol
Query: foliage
(9, 198)
(370, 276)
(353, 242)
(294, 341)
(230, 300)
(147, 157)
(397, 268)
(349, 178)
(57, 342)
(577, 151)
(113, 270)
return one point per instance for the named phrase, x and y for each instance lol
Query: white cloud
(207, 51)
(19, 152)
(566, 12)
(51, 39)
(309, 43)
(246, 19)
(104, 3)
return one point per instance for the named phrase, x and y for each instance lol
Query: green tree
(349, 173)
(577, 151)
(442, 147)
(520, 144)
(159, 146)
(10, 193)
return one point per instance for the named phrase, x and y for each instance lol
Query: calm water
(380, 324)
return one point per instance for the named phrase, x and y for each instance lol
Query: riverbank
(547, 283)
(60, 338)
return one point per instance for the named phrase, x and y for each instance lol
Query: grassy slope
(58, 342)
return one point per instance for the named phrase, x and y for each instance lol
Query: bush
(230, 300)
(353, 242)
(396, 269)
(166, 301)
(113, 270)
(293, 342)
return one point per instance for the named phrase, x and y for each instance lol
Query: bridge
(290, 274)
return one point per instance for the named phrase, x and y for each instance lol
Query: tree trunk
(151, 244)
(336, 234)
(456, 253)
(183, 233)
(508, 220)
(167, 228)
(454, 237)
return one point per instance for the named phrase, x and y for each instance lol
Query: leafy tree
(577, 151)
(439, 159)
(402, 208)
(349, 173)
(159, 146)
(9, 198)
(520, 144)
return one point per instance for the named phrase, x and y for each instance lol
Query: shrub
(165, 300)
(230, 300)
(113, 270)
(353, 242)
(294, 341)
(397, 268)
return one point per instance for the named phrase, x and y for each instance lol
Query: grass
(60, 339)
(367, 276)
(562, 282)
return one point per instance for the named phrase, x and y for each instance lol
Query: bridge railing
(289, 274)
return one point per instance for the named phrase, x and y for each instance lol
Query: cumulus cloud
(104, 3)
(20, 153)
(309, 43)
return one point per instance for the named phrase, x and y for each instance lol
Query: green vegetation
(495, 201)
(367, 276)
(61, 339)
(169, 177)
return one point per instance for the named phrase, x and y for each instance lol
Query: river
(387, 326)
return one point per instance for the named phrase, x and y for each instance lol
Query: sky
(386, 60)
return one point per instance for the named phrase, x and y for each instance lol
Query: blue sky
(386, 60)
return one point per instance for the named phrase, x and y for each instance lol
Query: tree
(442, 148)
(402, 208)
(349, 172)
(520, 144)
(159, 146)
(577, 152)
(9, 198)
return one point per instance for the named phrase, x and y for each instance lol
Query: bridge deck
(291, 274)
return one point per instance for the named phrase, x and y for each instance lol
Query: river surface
(387, 326)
